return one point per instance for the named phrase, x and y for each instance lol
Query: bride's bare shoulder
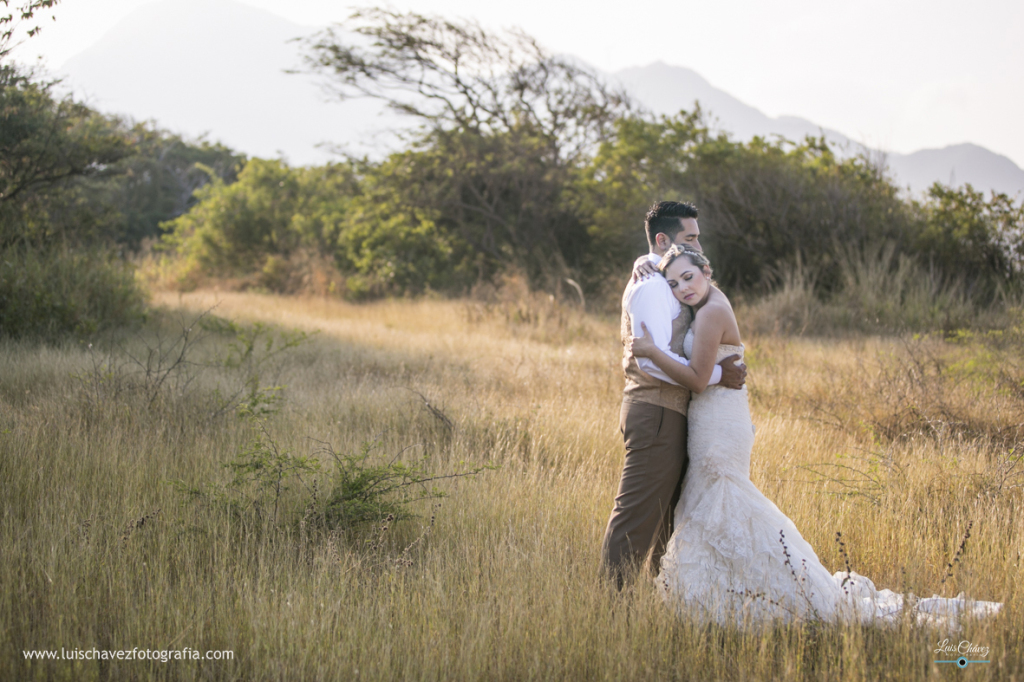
(714, 314)
(717, 318)
(721, 299)
(717, 307)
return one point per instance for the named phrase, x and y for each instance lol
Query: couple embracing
(686, 506)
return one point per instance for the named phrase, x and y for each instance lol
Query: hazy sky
(899, 75)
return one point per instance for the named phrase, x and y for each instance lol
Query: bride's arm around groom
(688, 274)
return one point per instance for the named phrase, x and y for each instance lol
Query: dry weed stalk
(441, 417)
(846, 562)
(960, 551)
(137, 524)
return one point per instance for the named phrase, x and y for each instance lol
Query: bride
(734, 556)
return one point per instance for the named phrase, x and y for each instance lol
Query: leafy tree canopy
(44, 142)
(458, 76)
(20, 16)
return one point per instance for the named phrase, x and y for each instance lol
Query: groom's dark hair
(667, 217)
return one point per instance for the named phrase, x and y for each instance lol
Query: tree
(643, 162)
(970, 238)
(457, 76)
(158, 183)
(45, 142)
(773, 204)
(20, 16)
(47, 288)
(504, 126)
(234, 228)
(764, 204)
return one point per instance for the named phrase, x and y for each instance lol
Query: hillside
(666, 89)
(218, 67)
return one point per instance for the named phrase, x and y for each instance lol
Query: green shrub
(55, 292)
(968, 237)
(270, 485)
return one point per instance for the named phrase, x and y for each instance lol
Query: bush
(465, 208)
(271, 486)
(880, 291)
(234, 228)
(764, 205)
(967, 237)
(49, 293)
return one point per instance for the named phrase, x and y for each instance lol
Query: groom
(653, 415)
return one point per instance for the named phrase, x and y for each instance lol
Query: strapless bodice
(724, 349)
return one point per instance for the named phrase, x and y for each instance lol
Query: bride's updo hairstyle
(691, 254)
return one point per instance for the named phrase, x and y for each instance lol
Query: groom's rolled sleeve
(652, 303)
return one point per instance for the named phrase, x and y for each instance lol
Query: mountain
(666, 89)
(962, 163)
(218, 67)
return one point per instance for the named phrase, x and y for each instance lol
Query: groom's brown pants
(641, 521)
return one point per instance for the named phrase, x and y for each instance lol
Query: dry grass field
(897, 443)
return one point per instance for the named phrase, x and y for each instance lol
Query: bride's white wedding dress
(736, 558)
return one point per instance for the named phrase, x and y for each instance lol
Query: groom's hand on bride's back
(733, 375)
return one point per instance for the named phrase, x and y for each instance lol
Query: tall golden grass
(897, 443)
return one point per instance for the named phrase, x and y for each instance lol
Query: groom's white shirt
(651, 302)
